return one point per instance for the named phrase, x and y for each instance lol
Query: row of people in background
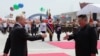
(41, 27)
(34, 28)
(38, 28)
(6, 26)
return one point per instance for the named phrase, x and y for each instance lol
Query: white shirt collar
(19, 24)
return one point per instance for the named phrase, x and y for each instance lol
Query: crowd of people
(34, 27)
(85, 35)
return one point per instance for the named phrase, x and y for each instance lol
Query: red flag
(46, 20)
(90, 20)
(50, 26)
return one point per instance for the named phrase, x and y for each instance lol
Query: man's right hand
(66, 37)
(4, 54)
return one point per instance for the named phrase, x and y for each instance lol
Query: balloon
(15, 6)
(11, 8)
(23, 12)
(20, 5)
(42, 9)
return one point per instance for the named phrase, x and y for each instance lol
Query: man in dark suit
(17, 40)
(58, 29)
(85, 38)
(33, 28)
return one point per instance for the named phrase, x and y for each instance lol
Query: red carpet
(68, 45)
(98, 44)
(64, 45)
(49, 54)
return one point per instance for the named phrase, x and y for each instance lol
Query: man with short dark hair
(17, 40)
(85, 38)
(58, 29)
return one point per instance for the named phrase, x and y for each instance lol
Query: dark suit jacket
(34, 28)
(85, 41)
(58, 28)
(17, 41)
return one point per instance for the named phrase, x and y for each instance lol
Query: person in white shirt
(5, 26)
(43, 28)
(11, 25)
(28, 27)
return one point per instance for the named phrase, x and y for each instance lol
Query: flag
(91, 19)
(50, 26)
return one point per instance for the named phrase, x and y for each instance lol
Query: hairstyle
(58, 20)
(82, 17)
(17, 18)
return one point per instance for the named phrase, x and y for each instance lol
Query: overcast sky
(33, 6)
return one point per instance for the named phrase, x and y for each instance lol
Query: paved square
(39, 47)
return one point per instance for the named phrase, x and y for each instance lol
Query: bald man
(17, 40)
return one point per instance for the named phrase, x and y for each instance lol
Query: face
(22, 21)
(57, 22)
(82, 22)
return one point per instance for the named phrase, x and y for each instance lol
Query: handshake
(66, 37)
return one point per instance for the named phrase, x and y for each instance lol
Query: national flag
(90, 19)
(50, 26)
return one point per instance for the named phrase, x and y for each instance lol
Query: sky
(33, 6)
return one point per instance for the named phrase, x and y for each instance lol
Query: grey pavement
(36, 47)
